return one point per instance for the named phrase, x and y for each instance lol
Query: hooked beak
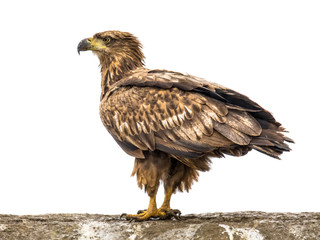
(84, 45)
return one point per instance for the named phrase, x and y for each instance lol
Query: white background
(56, 156)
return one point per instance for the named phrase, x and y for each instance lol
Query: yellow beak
(90, 44)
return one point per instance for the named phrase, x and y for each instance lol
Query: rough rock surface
(219, 226)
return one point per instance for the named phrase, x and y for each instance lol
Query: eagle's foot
(168, 213)
(161, 214)
(142, 215)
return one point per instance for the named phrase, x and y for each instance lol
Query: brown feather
(148, 140)
(232, 134)
(213, 115)
(243, 122)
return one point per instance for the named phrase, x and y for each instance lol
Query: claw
(171, 213)
(141, 211)
(126, 217)
(177, 214)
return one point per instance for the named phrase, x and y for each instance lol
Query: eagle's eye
(106, 39)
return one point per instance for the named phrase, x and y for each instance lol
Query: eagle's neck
(113, 68)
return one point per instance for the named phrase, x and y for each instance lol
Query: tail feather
(267, 150)
(271, 142)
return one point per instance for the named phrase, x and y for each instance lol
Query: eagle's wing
(184, 116)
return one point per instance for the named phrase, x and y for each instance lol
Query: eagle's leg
(149, 171)
(151, 212)
(165, 211)
(174, 179)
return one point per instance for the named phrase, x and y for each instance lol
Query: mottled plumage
(172, 123)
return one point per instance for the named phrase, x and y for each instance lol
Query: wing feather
(243, 122)
(232, 134)
(186, 117)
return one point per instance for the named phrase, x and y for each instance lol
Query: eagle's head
(114, 47)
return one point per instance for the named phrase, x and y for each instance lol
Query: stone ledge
(218, 226)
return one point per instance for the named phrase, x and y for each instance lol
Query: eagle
(173, 123)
